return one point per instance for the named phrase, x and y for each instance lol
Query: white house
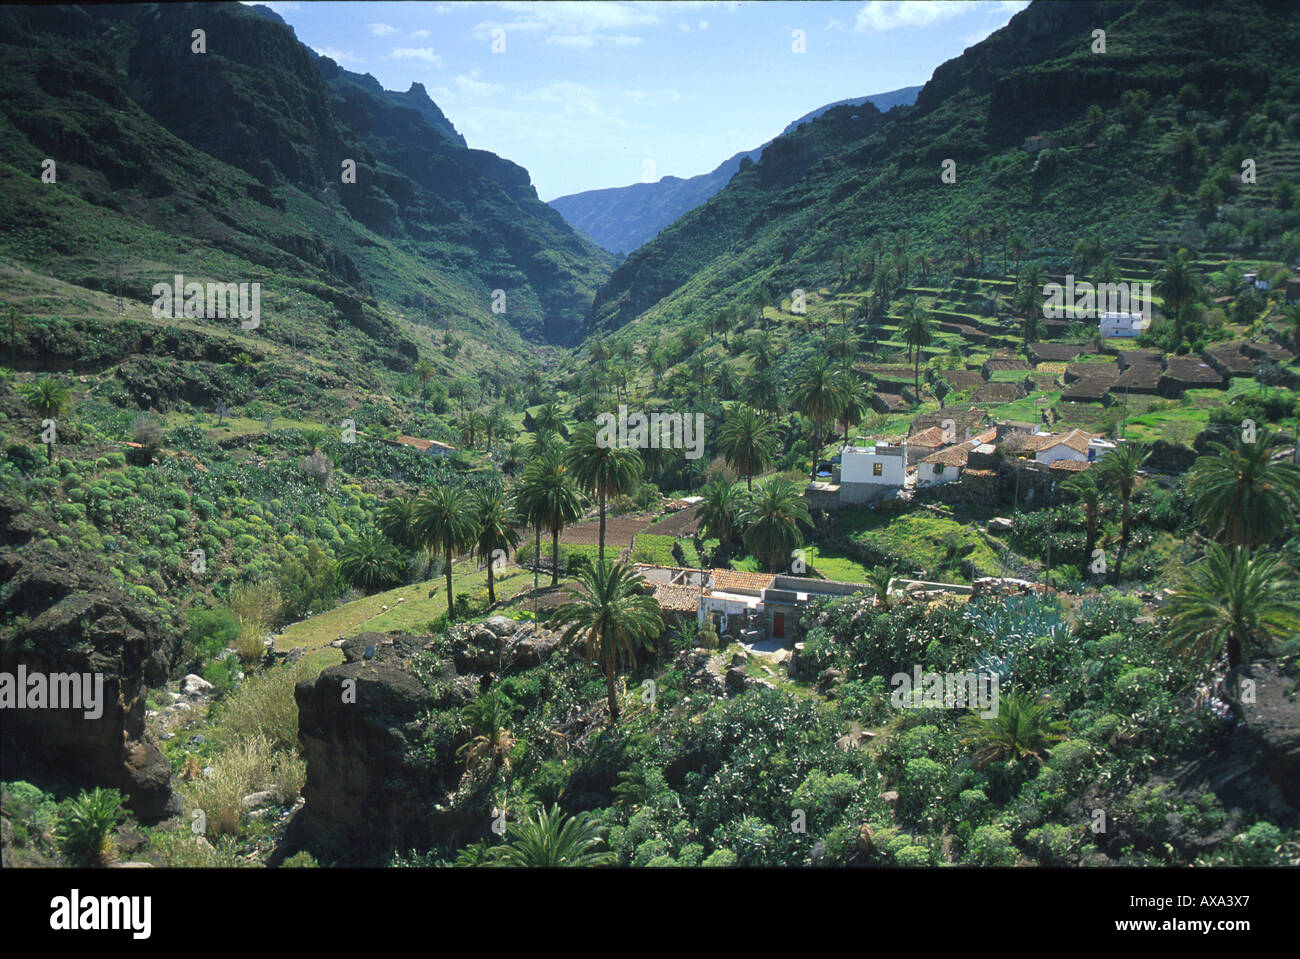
(942, 467)
(1074, 445)
(1122, 324)
(867, 472)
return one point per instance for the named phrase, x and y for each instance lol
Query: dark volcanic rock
(72, 618)
(375, 782)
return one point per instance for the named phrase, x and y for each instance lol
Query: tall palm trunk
(610, 690)
(555, 555)
(537, 555)
(451, 612)
(1091, 543)
(492, 596)
(600, 550)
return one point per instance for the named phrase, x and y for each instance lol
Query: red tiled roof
(934, 436)
(678, 599)
(729, 579)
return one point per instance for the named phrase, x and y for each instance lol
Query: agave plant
(85, 824)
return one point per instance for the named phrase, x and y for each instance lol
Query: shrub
(208, 632)
(148, 432)
(85, 824)
(720, 858)
(991, 846)
(317, 467)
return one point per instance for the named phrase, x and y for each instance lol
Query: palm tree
(488, 718)
(916, 333)
(614, 616)
(842, 343)
(1231, 602)
(748, 442)
(370, 562)
(772, 517)
(15, 320)
(1084, 486)
(816, 394)
(1178, 285)
(549, 418)
(879, 578)
(548, 839)
(1118, 471)
(760, 347)
(549, 498)
(496, 531)
(46, 397)
(1021, 729)
(855, 401)
(717, 511)
(1242, 494)
(396, 520)
(1018, 248)
(1031, 329)
(444, 522)
(601, 469)
(424, 370)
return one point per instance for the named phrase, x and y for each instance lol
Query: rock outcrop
(65, 616)
(378, 778)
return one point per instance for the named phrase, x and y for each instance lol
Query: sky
(587, 95)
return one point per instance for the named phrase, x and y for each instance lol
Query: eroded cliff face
(64, 615)
(380, 777)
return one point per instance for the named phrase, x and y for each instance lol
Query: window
(938, 469)
(877, 469)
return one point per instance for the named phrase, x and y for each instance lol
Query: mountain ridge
(621, 219)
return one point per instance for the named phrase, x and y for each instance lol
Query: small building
(1034, 144)
(1122, 324)
(868, 472)
(1048, 448)
(922, 444)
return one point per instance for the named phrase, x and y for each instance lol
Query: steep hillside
(1182, 95)
(229, 164)
(621, 219)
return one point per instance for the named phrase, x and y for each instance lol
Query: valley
(411, 522)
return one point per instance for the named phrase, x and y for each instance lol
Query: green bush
(85, 824)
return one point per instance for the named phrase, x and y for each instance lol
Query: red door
(778, 625)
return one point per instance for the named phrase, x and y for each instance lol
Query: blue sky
(599, 94)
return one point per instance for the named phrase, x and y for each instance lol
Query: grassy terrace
(424, 602)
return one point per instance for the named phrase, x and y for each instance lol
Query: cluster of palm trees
(771, 518)
(1239, 597)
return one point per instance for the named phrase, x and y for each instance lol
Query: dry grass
(264, 706)
(250, 765)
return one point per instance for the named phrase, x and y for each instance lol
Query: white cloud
(890, 14)
(382, 29)
(468, 85)
(419, 34)
(344, 58)
(416, 53)
(577, 25)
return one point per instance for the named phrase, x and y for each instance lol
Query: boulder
(259, 800)
(829, 682)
